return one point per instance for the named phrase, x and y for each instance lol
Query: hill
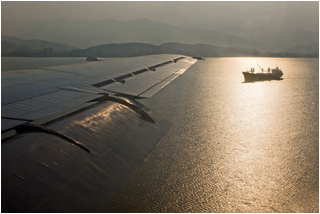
(39, 48)
(201, 50)
(15, 46)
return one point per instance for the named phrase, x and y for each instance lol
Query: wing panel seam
(131, 74)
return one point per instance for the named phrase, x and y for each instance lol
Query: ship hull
(252, 77)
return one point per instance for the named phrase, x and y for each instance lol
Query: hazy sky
(209, 14)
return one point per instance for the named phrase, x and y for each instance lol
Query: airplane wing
(72, 135)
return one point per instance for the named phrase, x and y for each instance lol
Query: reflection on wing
(72, 135)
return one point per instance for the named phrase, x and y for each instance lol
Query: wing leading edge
(72, 135)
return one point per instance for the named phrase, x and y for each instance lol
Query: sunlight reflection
(104, 115)
(250, 129)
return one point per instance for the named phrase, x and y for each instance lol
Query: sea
(234, 147)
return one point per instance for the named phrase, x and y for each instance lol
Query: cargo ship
(271, 74)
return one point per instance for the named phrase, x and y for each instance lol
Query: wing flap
(154, 89)
(149, 82)
(7, 124)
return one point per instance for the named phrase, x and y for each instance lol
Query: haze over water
(234, 146)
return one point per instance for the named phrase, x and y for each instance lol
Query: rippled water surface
(234, 146)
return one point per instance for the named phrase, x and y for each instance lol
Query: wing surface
(33, 94)
(72, 135)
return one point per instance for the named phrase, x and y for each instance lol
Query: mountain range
(114, 38)
(12, 46)
(84, 34)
